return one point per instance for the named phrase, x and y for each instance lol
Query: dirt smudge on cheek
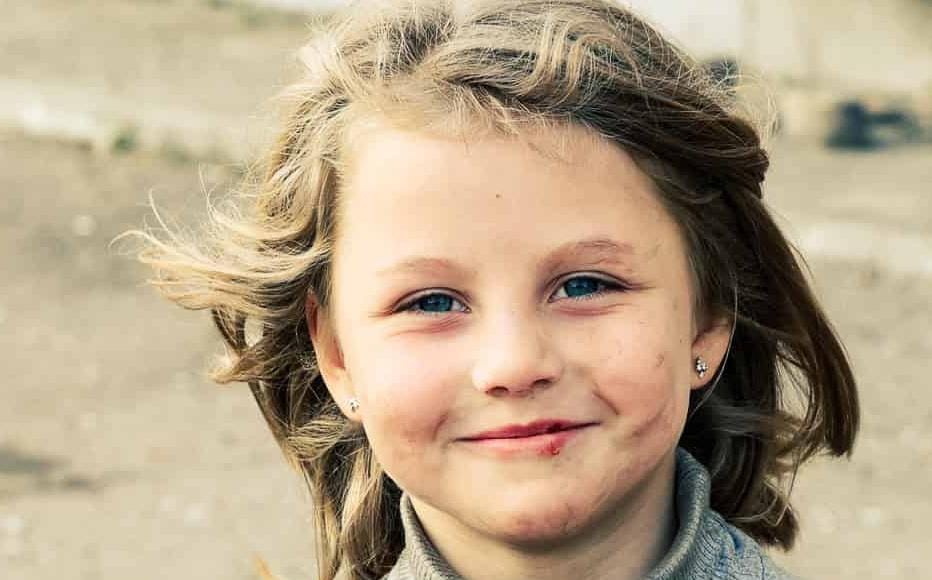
(396, 434)
(400, 452)
(655, 416)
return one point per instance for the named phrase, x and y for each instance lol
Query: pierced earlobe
(702, 367)
(354, 405)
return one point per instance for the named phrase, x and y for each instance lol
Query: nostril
(502, 391)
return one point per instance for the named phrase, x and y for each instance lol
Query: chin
(542, 519)
(545, 514)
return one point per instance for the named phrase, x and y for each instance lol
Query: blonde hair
(501, 65)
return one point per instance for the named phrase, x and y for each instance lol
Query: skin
(488, 332)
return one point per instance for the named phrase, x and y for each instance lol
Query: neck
(624, 544)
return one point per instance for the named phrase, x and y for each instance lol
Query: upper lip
(528, 429)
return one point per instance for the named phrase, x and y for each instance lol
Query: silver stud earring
(354, 405)
(702, 367)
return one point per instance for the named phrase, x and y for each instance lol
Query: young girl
(511, 302)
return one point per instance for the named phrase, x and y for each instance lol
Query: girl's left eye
(576, 288)
(586, 287)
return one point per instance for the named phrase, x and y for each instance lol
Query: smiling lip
(545, 438)
(536, 428)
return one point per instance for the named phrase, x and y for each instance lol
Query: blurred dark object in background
(856, 126)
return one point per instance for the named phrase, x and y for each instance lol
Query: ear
(711, 344)
(329, 356)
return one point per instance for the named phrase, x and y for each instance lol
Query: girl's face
(485, 291)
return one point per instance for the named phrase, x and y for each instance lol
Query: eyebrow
(592, 251)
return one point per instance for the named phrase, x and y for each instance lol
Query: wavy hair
(787, 390)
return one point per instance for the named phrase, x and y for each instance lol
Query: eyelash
(607, 286)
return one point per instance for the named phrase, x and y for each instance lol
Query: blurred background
(118, 459)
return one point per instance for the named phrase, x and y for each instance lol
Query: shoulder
(742, 558)
(706, 546)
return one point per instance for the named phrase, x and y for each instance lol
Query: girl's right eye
(432, 304)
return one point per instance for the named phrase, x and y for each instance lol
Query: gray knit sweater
(705, 546)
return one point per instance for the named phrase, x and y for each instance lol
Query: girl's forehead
(378, 152)
(409, 191)
(551, 139)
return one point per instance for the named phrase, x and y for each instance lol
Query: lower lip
(545, 444)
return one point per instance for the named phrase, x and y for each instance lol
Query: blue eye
(586, 287)
(577, 288)
(435, 303)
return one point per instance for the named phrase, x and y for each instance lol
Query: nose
(516, 356)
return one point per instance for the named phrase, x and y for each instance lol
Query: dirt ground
(118, 459)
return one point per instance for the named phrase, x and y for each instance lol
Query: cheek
(640, 372)
(406, 397)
